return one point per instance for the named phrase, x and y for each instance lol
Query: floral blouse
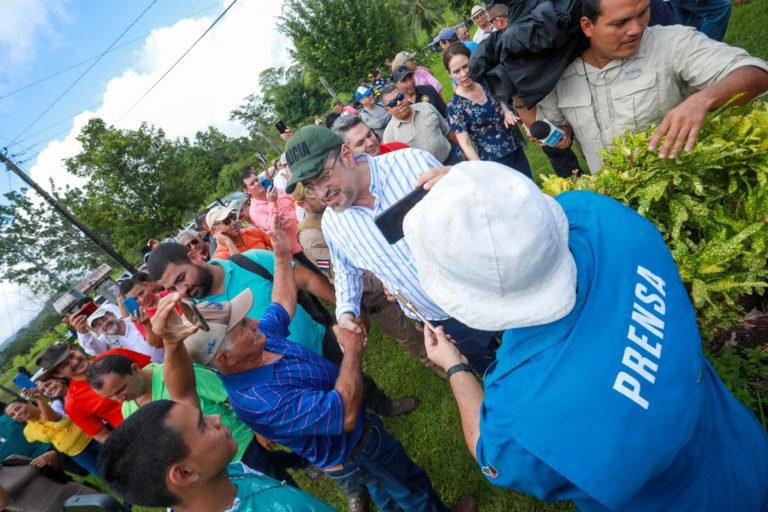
(484, 123)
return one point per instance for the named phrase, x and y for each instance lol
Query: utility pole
(33, 261)
(101, 244)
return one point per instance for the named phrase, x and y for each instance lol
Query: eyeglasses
(310, 189)
(397, 99)
(503, 17)
(192, 243)
(232, 217)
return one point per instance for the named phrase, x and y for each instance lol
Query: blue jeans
(707, 16)
(479, 347)
(89, 457)
(394, 482)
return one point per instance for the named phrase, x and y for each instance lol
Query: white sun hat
(491, 249)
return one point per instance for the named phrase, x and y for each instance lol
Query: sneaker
(359, 504)
(466, 504)
(403, 406)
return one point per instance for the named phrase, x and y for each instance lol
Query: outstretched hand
(278, 233)
(167, 322)
(430, 177)
(680, 126)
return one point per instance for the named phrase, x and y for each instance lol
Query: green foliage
(711, 205)
(421, 16)
(36, 229)
(287, 94)
(746, 374)
(342, 40)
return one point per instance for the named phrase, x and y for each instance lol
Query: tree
(289, 95)
(35, 228)
(342, 40)
(138, 186)
(422, 15)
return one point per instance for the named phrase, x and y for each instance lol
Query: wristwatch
(461, 367)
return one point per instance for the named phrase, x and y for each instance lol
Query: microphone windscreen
(540, 129)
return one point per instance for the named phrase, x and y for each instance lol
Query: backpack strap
(251, 266)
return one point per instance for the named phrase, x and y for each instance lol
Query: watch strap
(461, 367)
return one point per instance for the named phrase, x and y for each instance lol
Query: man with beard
(95, 415)
(122, 333)
(222, 280)
(355, 188)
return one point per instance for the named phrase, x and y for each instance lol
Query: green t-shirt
(260, 493)
(304, 330)
(213, 400)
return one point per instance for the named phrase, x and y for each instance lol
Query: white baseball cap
(491, 249)
(218, 214)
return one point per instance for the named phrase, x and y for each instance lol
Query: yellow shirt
(64, 435)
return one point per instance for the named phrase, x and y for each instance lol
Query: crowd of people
(560, 325)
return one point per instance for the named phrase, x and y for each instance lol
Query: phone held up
(132, 306)
(281, 127)
(390, 221)
(192, 313)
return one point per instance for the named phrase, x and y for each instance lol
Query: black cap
(400, 73)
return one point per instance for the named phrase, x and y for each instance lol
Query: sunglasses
(397, 99)
(192, 243)
(229, 220)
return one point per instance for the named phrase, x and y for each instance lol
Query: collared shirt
(293, 400)
(252, 238)
(426, 130)
(305, 331)
(637, 92)
(614, 406)
(481, 34)
(357, 244)
(261, 217)
(376, 118)
(13, 442)
(259, 493)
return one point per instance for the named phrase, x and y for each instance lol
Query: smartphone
(23, 381)
(390, 221)
(262, 160)
(132, 306)
(190, 311)
(88, 309)
(281, 127)
(265, 183)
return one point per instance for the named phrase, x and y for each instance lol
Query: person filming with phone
(600, 392)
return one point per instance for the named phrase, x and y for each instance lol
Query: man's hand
(79, 323)
(430, 177)
(278, 234)
(287, 135)
(46, 459)
(264, 442)
(349, 340)
(563, 143)
(167, 323)
(680, 126)
(349, 322)
(440, 349)
(223, 239)
(272, 194)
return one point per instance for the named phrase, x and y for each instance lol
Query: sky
(39, 38)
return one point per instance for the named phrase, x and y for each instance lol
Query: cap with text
(307, 151)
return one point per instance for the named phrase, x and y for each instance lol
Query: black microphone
(546, 132)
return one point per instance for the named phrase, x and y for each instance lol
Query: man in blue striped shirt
(356, 188)
(295, 397)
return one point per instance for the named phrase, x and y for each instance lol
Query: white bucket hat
(491, 249)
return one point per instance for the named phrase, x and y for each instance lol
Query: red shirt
(90, 411)
(392, 146)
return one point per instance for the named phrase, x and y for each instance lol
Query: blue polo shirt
(614, 406)
(305, 331)
(292, 400)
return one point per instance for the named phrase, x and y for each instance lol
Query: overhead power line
(54, 102)
(89, 59)
(177, 61)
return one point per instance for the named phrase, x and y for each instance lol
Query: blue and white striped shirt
(357, 245)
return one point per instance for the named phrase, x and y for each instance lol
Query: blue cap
(361, 93)
(446, 35)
